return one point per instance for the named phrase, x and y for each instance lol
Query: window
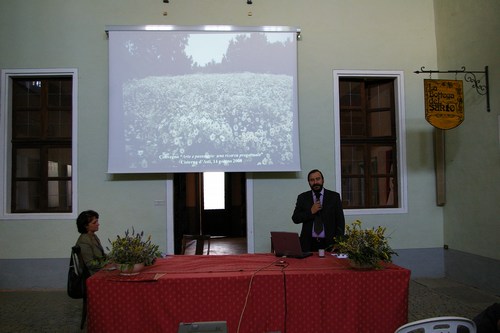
(37, 120)
(369, 141)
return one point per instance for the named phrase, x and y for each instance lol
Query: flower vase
(130, 269)
(362, 266)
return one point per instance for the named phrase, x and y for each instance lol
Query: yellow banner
(444, 103)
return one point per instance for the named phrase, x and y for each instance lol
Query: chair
(439, 325)
(188, 240)
(82, 269)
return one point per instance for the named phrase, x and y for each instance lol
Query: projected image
(192, 102)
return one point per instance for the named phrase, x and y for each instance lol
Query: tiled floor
(39, 311)
(52, 311)
(444, 297)
(222, 246)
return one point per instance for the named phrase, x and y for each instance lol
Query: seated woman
(91, 249)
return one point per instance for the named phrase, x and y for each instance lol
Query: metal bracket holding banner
(469, 76)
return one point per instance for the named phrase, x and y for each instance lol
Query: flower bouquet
(131, 249)
(365, 248)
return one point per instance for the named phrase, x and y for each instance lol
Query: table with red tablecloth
(252, 293)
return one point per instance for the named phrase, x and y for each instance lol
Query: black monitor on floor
(203, 327)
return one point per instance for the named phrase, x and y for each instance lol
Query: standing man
(320, 212)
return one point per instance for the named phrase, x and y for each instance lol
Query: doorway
(192, 217)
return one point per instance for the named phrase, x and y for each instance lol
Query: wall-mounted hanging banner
(444, 103)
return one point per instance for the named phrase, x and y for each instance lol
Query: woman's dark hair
(84, 219)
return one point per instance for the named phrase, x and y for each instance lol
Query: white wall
(336, 34)
(468, 35)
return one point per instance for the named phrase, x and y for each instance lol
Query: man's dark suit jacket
(332, 216)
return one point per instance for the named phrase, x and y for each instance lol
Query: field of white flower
(227, 118)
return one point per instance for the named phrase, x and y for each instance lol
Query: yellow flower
(365, 247)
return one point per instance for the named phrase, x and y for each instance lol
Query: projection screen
(208, 98)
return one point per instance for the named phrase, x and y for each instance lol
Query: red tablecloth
(253, 293)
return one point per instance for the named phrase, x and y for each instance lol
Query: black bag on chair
(76, 275)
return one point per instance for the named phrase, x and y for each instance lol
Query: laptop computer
(287, 244)
(203, 327)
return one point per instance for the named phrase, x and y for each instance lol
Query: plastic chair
(82, 269)
(439, 325)
(200, 243)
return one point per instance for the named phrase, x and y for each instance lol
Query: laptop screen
(286, 244)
